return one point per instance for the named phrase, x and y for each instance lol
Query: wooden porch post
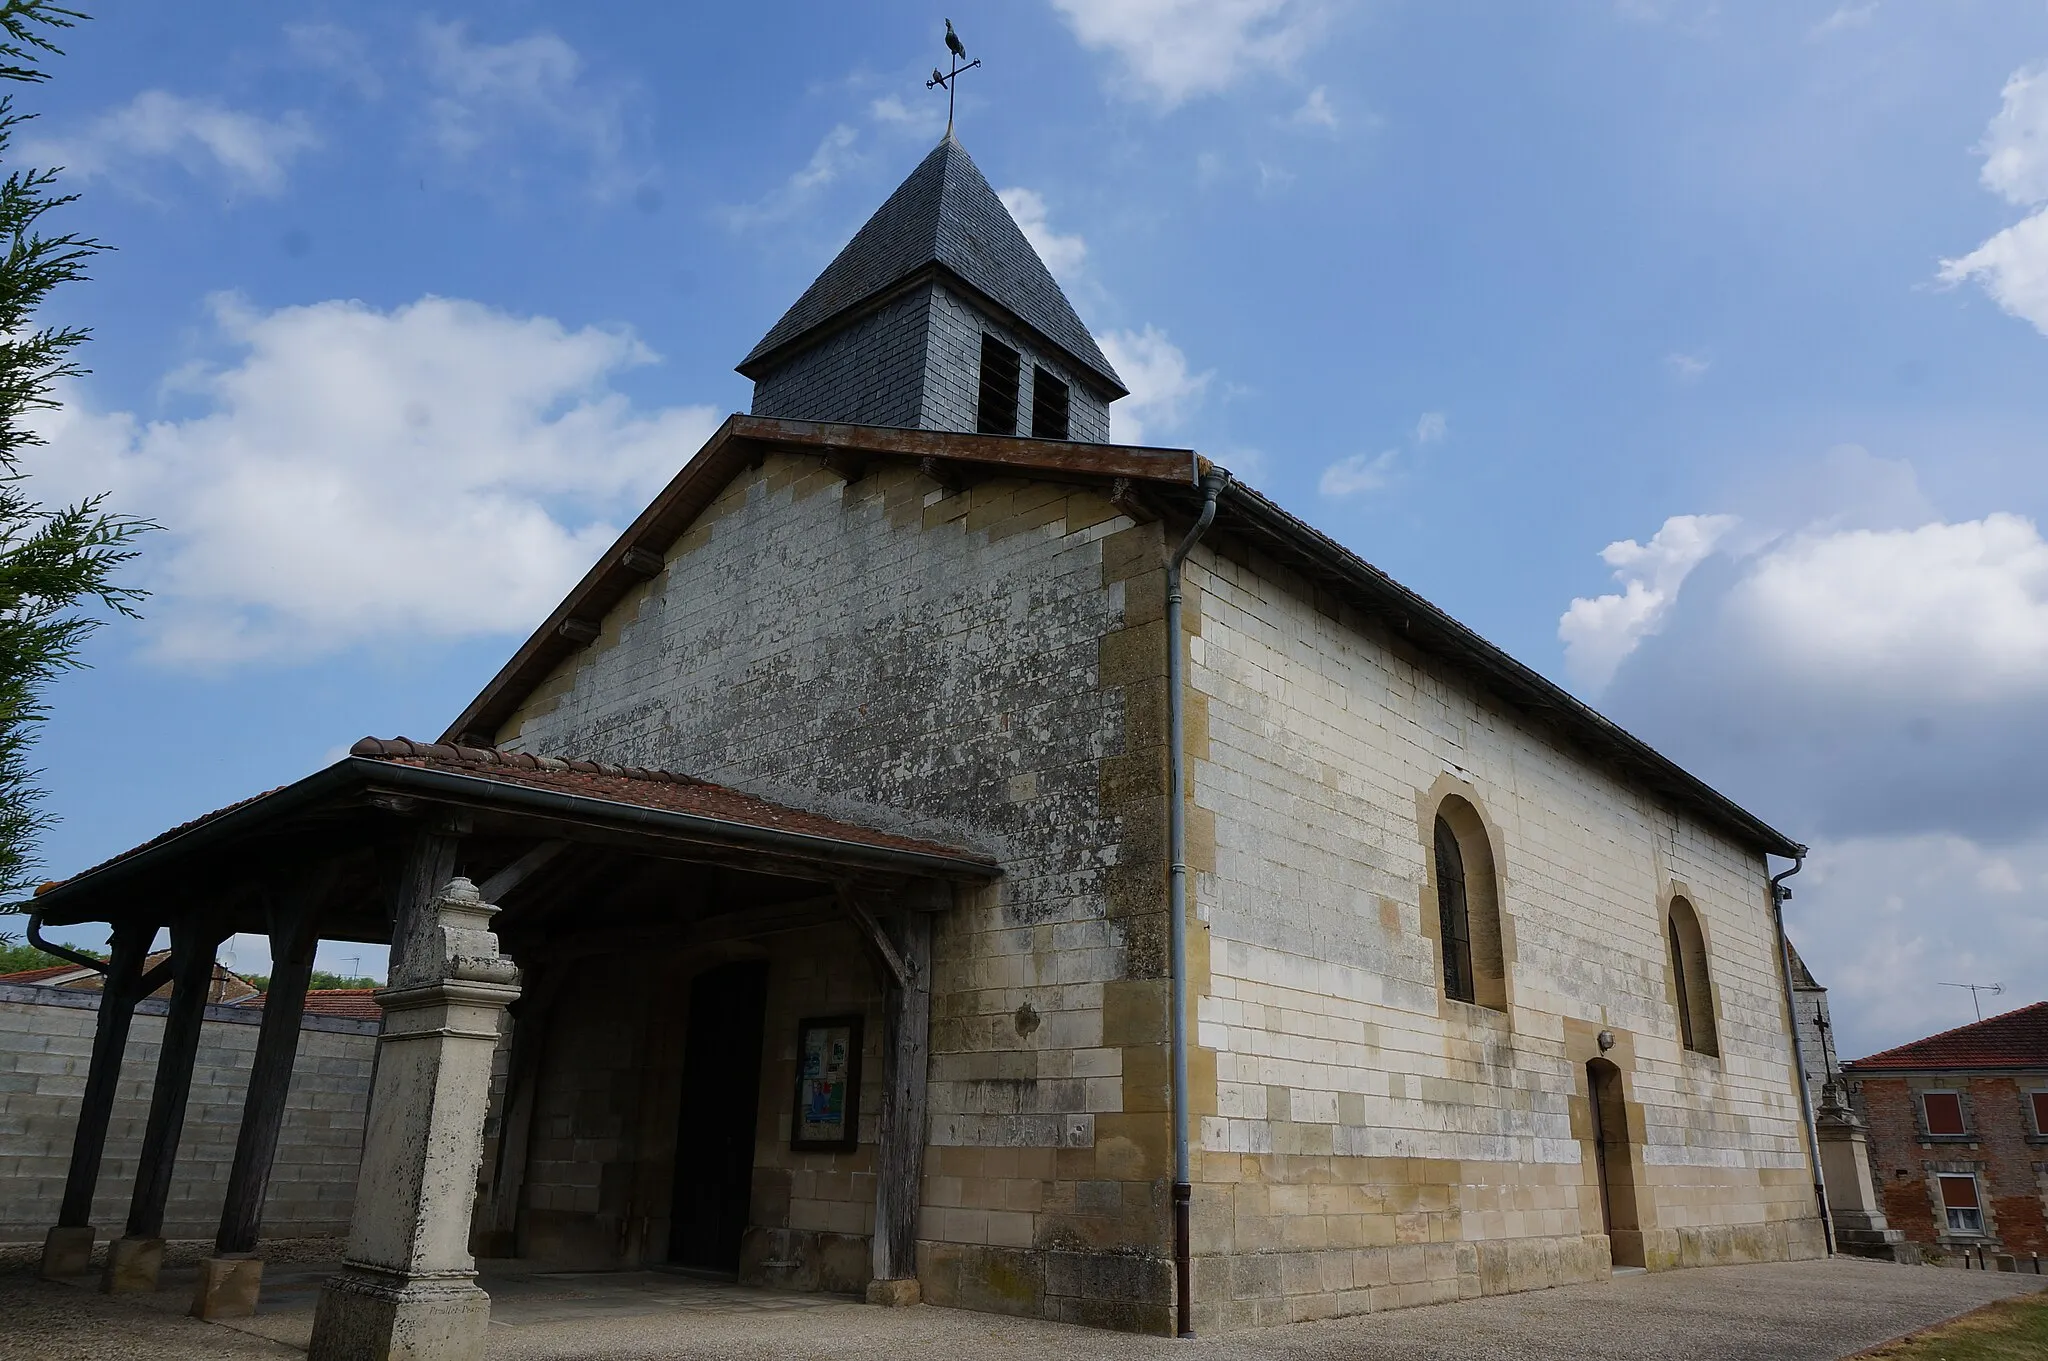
(899, 1155)
(67, 1250)
(230, 1279)
(134, 1258)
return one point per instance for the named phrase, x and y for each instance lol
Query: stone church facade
(983, 664)
(1482, 994)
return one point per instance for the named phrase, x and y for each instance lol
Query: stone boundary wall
(45, 1050)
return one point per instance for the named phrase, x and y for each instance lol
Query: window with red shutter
(1944, 1112)
(1959, 1201)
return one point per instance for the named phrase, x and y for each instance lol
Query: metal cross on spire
(946, 78)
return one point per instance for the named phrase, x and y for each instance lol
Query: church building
(940, 854)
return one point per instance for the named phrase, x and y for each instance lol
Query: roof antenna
(1993, 988)
(946, 78)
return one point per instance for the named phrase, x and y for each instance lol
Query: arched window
(1692, 987)
(1454, 913)
(1468, 908)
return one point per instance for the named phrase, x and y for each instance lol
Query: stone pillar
(134, 1258)
(407, 1289)
(67, 1251)
(231, 1279)
(1860, 1227)
(901, 1130)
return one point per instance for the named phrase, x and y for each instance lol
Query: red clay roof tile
(639, 786)
(2014, 1039)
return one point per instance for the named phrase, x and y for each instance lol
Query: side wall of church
(983, 667)
(1367, 1142)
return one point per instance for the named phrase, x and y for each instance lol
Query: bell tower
(938, 315)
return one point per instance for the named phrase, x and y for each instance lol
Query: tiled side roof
(354, 1004)
(41, 975)
(946, 214)
(639, 786)
(2014, 1039)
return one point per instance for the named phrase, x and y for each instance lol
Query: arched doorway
(1614, 1164)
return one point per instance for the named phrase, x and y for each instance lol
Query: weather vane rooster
(946, 78)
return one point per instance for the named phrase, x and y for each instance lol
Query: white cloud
(1162, 388)
(1431, 428)
(1315, 111)
(2013, 265)
(1956, 613)
(923, 120)
(1360, 472)
(1599, 632)
(1176, 49)
(251, 152)
(834, 156)
(358, 477)
(1063, 255)
(498, 99)
(1844, 18)
(2015, 145)
(1885, 921)
(1687, 368)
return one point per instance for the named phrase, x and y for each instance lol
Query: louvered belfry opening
(996, 411)
(1048, 405)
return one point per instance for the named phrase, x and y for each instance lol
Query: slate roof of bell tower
(943, 215)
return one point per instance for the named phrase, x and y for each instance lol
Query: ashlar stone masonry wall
(983, 667)
(1366, 1142)
(45, 1050)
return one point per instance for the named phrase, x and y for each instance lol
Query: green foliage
(321, 979)
(52, 562)
(15, 958)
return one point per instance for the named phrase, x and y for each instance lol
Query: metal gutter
(1212, 485)
(1779, 893)
(696, 826)
(357, 772)
(1434, 631)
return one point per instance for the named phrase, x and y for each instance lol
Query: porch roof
(377, 795)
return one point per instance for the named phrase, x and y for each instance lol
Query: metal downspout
(1213, 484)
(50, 947)
(1779, 893)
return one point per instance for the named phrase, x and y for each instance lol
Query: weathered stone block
(228, 1287)
(132, 1266)
(67, 1252)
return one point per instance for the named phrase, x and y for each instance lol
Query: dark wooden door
(1615, 1163)
(715, 1134)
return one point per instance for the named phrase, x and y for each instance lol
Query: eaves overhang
(1170, 479)
(352, 780)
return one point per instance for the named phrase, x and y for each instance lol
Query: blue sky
(1693, 352)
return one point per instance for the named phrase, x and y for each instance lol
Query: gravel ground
(1806, 1311)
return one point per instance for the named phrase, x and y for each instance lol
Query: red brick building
(1959, 1133)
